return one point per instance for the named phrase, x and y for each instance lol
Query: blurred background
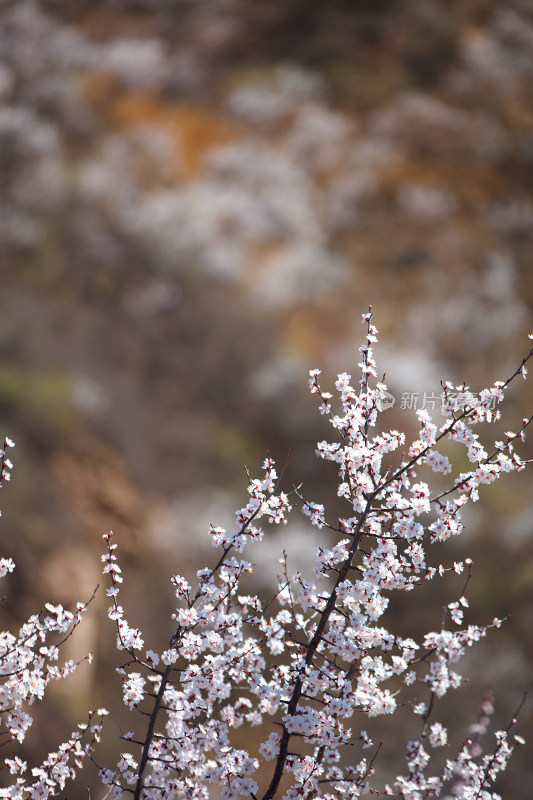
(198, 201)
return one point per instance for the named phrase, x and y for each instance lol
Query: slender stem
(311, 650)
(150, 733)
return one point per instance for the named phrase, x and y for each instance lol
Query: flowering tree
(311, 664)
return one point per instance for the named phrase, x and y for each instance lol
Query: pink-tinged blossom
(128, 638)
(152, 658)
(438, 462)
(420, 709)
(18, 724)
(6, 565)
(16, 766)
(438, 736)
(133, 690)
(316, 513)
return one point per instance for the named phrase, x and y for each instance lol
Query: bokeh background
(198, 201)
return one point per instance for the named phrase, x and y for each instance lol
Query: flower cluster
(29, 660)
(311, 664)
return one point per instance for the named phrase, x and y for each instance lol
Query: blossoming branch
(312, 665)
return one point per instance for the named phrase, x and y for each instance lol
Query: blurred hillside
(197, 202)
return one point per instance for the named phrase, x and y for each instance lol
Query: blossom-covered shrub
(311, 664)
